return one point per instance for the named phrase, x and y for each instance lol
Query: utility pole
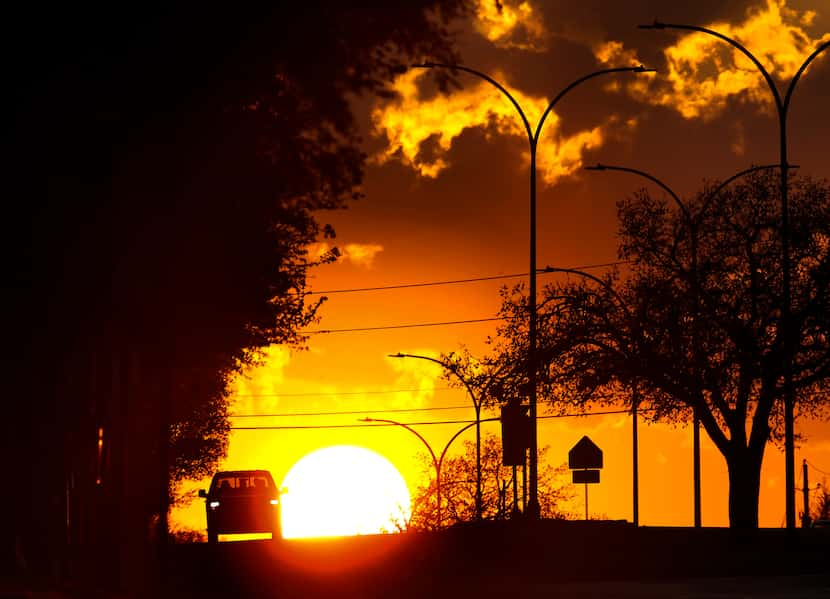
(805, 517)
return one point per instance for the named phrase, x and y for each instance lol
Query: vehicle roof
(241, 472)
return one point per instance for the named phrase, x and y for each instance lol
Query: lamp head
(397, 355)
(656, 25)
(642, 69)
(597, 167)
(366, 419)
(423, 65)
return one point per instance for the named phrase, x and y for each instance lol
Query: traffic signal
(515, 434)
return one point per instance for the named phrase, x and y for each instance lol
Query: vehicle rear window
(240, 483)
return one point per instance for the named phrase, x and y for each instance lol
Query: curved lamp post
(476, 404)
(782, 107)
(635, 395)
(533, 140)
(436, 462)
(692, 224)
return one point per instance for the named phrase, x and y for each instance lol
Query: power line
(362, 425)
(335, 393)
(456, 281)
(402, 326)
(352, 412)
(424, 423)
(436, 324)
(816, 468)
(411, 285)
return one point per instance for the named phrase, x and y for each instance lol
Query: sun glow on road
(343, 490)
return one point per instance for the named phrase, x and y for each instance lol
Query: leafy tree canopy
(168, 169)
(693, 324)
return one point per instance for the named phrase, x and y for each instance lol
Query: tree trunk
(744, 487)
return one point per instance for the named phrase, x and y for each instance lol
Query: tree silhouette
(821, 504)
(458, 488)
(720, 356)
(168, 173)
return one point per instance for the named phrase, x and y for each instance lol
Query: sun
(343, 490)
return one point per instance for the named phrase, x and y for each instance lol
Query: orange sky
(446, 198)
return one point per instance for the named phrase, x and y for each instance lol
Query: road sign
(585, 455)
(585, 458)
(585, 477)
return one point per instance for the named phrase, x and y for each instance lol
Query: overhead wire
(401, 326)
(392, 327)
(435, 283)
(412, 285)
(422, 423)
(361, 425)
(816, 468)
(458, 281)
(335, 393)
(351, 412)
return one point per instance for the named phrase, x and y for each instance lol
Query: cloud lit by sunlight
(254, 389)
(420, 132)
(420, 375)
(621, 422)
(359, 254)
(511, 24)
(703, 73)
(564, 156)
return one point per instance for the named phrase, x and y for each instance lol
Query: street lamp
(451, 368)
(533, 510)
(436, 462)
(635, 395)
(782, 107)
(692, 224)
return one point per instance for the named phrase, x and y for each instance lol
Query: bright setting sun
(343, 490)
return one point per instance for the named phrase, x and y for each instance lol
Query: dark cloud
(594, 21)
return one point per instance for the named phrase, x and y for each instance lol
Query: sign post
(585, 459)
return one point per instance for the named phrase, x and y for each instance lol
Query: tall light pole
(452, 369)
(635, 457)
(436, 462)
(533, 510)
(692, 223)
(787, 334)
(635, 394)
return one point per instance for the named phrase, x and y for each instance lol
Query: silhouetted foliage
(821, 503)
(722, 356)
(458, 488)
(169, 172)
